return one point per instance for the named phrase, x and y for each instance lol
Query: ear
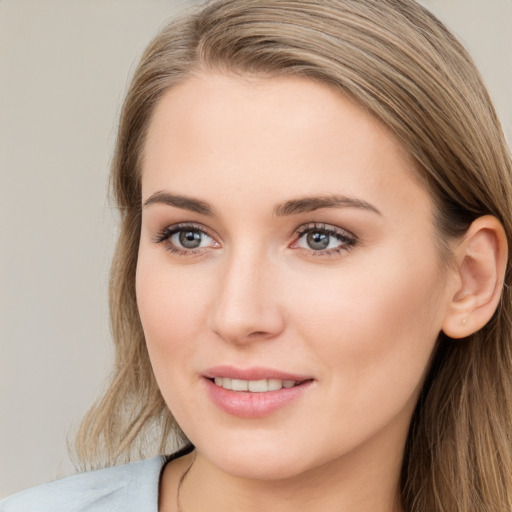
(481, 261)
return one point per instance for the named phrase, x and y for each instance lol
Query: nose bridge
(246, 306)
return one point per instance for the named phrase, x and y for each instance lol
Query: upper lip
(253, 373)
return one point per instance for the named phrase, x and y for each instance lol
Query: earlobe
(481, 261)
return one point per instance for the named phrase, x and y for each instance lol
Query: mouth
(254, 392)
(256, 386)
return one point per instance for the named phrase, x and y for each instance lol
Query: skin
(361, 320)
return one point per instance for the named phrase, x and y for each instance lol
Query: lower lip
(245, 404)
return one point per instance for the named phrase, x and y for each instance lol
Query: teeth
(258, 386)
(274, 384)
(239, 385)
(224, 382)
(255, 386)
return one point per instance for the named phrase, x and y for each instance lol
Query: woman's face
(285, 242)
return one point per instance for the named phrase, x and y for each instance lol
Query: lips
(254, 392)
(255, 373)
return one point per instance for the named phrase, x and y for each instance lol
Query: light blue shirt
(129, 488)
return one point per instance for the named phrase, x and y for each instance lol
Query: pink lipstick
(253, 392)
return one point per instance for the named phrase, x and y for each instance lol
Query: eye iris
(190, 239)
(317, 240)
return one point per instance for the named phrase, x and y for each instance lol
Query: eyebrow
(310, 204)
(291, 207)
(183, 202)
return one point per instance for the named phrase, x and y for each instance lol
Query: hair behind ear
(465, 408)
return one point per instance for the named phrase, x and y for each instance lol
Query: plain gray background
(64, 70)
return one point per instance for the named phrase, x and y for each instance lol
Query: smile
(254, 392)
(254, 386)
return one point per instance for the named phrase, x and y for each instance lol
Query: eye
(323, 239)
(190, 239)
(185, 238)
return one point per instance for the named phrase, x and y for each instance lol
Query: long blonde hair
(403, 65)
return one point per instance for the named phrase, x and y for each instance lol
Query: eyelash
(165, 235)
(347, 240)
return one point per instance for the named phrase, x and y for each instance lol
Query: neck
(349, 484)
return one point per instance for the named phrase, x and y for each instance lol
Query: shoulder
(131, 487)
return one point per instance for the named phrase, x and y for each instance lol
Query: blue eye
(184, 238)
(190, 239)
(322, 238)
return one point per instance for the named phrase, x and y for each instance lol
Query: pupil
(317, 241)
(190, 239)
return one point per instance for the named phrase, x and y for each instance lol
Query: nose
(246, 308)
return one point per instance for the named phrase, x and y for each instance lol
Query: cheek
(173, 307)
(373, 327)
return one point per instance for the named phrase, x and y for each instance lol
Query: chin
(257, 456)
(260, 467)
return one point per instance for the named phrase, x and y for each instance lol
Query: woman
(310, 291)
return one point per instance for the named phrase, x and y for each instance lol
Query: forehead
(272, 136)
